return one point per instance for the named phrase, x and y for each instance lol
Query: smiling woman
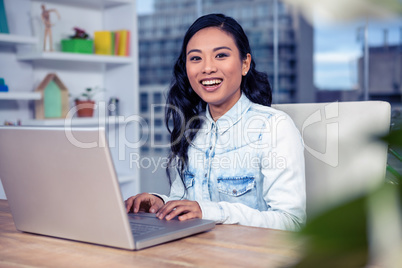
(225, 138)
(215, 69)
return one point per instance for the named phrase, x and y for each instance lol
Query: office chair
(343, 157)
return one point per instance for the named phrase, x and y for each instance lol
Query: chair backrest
(343, 157)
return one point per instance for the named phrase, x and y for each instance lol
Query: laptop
(57, 187)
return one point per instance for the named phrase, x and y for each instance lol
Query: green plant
(89, 93)
(394, 165)
(394, 140)
(393, 174)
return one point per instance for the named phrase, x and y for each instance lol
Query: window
(143, 102)
(157, 98)
(247, 13)
(158, 137)
(158, 123)
(262, 10)
(158, 142)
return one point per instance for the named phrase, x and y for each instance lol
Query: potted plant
(85, 104)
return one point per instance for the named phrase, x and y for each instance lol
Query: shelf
(13, 39)
(76, 121)
(75, 57)
(20, 96)
(62, 122)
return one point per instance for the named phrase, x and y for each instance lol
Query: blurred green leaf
(338, 237)
(394, 138)
(396, 154)
(394, 172)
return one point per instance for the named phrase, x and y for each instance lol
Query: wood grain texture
(224, 246)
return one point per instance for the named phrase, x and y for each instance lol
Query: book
(128, 44)
(3, 18)
(122, 43)
(103, 42)
(116, 43)
(113, 41)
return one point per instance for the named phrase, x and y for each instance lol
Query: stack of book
(112, 42)
(3, 18)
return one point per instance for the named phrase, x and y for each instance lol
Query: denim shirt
(246, 168)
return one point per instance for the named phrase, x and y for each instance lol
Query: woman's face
(215, 70)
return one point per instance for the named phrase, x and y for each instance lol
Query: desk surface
(225, 245)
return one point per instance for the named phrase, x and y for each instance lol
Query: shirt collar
(231, 117)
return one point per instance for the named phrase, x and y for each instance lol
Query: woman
(237, 160)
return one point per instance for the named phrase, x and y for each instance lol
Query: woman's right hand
(143, 202)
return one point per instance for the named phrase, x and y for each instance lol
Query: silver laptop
(58, 189)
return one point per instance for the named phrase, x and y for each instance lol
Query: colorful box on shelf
(3, 19)
(3, 86)
(77, 45)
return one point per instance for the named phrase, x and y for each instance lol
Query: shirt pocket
(188, 180)
(236, 186)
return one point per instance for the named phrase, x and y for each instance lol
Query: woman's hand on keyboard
(144, 202)
(184, 209)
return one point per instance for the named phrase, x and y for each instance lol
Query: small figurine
(48, 26)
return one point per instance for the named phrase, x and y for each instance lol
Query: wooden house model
(54, 101)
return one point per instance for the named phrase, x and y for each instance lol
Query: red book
(128, 43)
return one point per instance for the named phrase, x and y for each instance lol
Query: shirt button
(234, 191)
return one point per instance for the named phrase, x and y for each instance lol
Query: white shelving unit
(74, 57)
(93, 3)
(78, 121)
(12, 39)
(20, 96)
(24, 65)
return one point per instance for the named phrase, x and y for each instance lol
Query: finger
(184, 208)
(129, 203)
(137, 203)
(181, 209)
(155, 207)
(190, 215)
(167, 208)
(187, 210)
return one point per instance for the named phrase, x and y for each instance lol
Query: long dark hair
(184, 105)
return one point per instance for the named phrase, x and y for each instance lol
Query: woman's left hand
(185, 208)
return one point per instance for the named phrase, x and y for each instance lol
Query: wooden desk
(224, 246)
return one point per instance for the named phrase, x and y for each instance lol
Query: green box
(77, 45)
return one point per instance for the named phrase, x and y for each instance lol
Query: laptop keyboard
(140, 229)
